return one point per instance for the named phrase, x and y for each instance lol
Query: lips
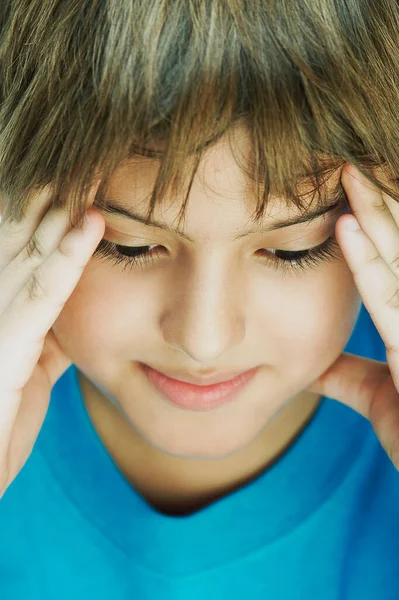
(203, 381)
(198, 397)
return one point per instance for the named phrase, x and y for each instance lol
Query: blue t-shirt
(321, 523)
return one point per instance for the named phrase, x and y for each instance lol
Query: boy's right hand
(41, 262)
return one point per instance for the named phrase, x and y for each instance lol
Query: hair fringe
(87, 85)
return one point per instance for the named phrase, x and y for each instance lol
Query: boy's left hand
(372, 253)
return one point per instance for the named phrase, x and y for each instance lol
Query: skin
(210, 305)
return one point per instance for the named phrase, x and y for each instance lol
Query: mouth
(186, 394)
(202, 380)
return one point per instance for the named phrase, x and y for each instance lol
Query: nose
(204, 316)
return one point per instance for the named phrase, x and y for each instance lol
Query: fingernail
(352, 224)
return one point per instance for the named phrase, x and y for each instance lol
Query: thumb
(352, 380)
(53, 359)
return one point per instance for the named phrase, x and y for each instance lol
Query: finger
(384, 417)
(25, 245)
(14, 236)
(366, 386)
(377, 214)
(377, 285)
(26, 322)
(44, 241)
(352, 380)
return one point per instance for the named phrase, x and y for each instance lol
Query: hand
(41, 261)
(372, 252)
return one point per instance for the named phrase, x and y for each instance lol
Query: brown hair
(88, 84)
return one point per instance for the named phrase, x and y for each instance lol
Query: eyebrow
(113, 208)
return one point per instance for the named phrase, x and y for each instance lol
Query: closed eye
(287, 260)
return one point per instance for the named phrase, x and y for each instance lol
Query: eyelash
(299, 260)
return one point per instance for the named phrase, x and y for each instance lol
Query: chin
(187, 449)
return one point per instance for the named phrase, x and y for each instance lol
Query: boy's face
(209, 305)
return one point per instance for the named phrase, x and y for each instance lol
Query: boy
(168, 427)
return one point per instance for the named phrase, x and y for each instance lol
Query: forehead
(219, 176)
(207, 218)
(219, 187)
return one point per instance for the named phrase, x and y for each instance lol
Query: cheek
(106, 313)
(86, 319)
(310, 321)
(81, 327)
(304, 322)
